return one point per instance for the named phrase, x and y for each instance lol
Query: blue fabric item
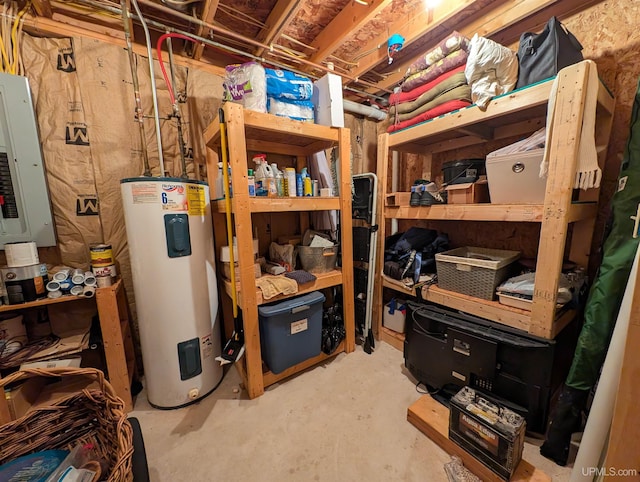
(283, 84)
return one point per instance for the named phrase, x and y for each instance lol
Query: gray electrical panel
(25, 212)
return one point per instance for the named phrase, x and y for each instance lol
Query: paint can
(77, 276)
(62, 274)
(101, 255)
(109, 270)
(77, 290)
(103, 281)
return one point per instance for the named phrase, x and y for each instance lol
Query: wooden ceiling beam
(411, 28)
(277, 22)
(351, 19)
(208, 13)
(43, 8)
(51, 28)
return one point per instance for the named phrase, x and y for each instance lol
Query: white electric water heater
(170, 237)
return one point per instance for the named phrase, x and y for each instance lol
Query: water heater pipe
(365, 110)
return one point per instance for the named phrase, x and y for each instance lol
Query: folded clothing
(462, 92)
(446, 85)
(399, 97)
(284, 84)
(445, 108)
(450, 62)
(301, 110)
(275, 285)
(455, 41)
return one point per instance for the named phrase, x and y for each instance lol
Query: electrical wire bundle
(11, 58)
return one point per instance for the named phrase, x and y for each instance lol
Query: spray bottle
(279, 179)
(261, 174)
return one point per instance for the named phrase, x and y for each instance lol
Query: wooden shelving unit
(258, 132)
(113, 313)
(518, 113)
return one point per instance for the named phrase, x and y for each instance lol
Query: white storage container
(513, 178)
(395, 321)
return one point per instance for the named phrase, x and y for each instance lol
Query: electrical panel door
(25, 212)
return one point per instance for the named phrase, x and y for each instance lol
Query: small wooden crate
(398, 199)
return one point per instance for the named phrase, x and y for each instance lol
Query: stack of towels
(435, 84)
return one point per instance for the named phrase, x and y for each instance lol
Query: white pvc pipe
(596, 433)
(365, 110)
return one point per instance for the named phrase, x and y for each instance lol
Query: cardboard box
(22, 397)
(468, 193)
(327, 99)
(226, 271)
(486, 429)
(225, 254)
(397, 199)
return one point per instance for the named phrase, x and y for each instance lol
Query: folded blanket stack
(289, 95)
(435, 84)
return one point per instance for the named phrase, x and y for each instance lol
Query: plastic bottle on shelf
(307, 189)
(251, 180)
(291, 181)
(299, 185)
(218, 191)
(279, 179)
(261, 174)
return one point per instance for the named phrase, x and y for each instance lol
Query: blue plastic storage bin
(291, 331)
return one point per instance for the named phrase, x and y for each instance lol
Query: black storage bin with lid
(463, 171)
(291, 331)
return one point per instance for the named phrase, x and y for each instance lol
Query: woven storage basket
(474, 271)
(94, 415)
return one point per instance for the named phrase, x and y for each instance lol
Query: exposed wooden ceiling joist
(351, 19)
(208, 12)
(43, 8)
(411, 29)
(279, 19)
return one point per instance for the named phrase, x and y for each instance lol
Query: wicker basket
(474, 271)
(94, 415)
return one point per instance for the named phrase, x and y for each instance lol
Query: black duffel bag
(543, 55)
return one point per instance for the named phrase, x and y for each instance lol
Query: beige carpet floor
(344, 420)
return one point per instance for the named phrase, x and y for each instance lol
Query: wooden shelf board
(271, 378)
(530, 213)
(279, 135)
(53, 301)
(324, 280)
(40, 303)
(397, 286)
(286, 204)
(432, 419)
(393, 338)
(507, 109)
(491, 310)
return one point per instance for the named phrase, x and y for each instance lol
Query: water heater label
(196, 200)
(174, 197)
(298, 326)
(206, 346)
(144, 193)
